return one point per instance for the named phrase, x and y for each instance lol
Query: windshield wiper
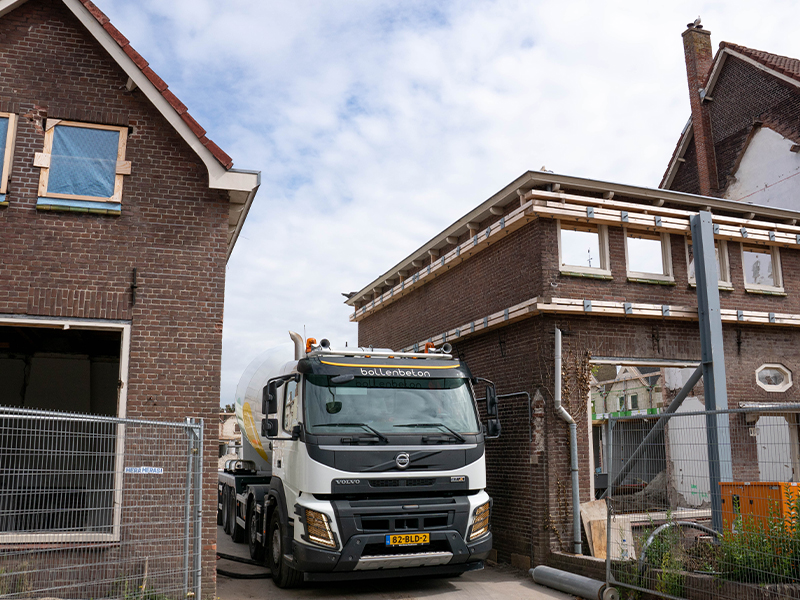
(381, 437)
(457, 435)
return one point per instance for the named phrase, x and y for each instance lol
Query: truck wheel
(283, 575)
(256, 547)
(226, 510)
(237, 531)
(219, 512)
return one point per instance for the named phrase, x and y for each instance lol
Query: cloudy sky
(375, 124)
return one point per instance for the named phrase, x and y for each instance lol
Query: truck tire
(253, 529)
(237, 531)
(219, 512)
(226, 510)
(283, 575)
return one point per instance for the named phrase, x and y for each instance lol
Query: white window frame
(724, 282)
(604, 269)
(119, 450)
(787, 380)
(42, 160)
(666, 257)
(777, 271)
(8, 151)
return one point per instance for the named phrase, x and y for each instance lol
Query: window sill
(766, 292)
(652, 280)
(724, 286)
(599, 274)
(79, 206)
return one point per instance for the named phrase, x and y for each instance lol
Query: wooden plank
(40, 159)
(44, 174)
(599, 536)
(593, 511)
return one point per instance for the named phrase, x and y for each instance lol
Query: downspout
(573, 448)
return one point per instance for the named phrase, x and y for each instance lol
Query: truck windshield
(384, 403)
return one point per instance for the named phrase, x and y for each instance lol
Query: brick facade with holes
(528, 468)
(172, 229)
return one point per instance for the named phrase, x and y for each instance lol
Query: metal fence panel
(660, 535)
(98, 507)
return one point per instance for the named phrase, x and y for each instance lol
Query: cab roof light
(310, 343)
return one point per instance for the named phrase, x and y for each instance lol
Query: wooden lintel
(123, 167)
(40, 159)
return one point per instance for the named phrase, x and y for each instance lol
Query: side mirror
(296, 431)
(491, 401)
(269, 428)
(269, 400)
(493, 429)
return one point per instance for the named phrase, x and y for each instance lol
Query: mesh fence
(97, 507)
(664, 533)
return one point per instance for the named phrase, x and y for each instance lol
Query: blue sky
(376, 124)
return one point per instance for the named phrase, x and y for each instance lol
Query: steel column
(713, 360)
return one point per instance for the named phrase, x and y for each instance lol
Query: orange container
(753, 501)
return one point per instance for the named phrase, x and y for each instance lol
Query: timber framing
(582, 201)
(560, 306)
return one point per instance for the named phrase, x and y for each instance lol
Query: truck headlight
(480, 526)
(319, 529)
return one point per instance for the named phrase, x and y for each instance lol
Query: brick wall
(172, 230)
(528, 469)
(743, 95)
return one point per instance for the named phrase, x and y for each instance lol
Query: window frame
(787, 380)
(7, 157)
(777, 271)
(42, 160)
(724, 265)
(604, 270)
(666, 257)
(119, 450)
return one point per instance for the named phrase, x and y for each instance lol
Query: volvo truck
(360, 463)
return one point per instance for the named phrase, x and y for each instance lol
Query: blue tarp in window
(83, 162)
(3, 138)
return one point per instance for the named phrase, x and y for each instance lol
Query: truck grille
(392, 523)
(384, 483)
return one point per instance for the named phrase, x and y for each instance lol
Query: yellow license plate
(408, 539)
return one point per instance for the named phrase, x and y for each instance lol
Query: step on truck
(360, 463)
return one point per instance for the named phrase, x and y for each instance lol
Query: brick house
(611, 266)
(742, 141)
(117, 217)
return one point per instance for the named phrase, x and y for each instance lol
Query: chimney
(699, 60)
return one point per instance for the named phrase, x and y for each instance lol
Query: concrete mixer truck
(360, 463)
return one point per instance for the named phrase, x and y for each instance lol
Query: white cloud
(377, 123)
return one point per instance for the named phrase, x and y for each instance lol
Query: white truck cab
(367, 463)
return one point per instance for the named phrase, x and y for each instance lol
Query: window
(648, 256)
(622, 403)
(290, 406)
(723, 267)
(583, 249)
(762, 268)
(634, 401)
(8, 128)
(82, 162)
(774, 377)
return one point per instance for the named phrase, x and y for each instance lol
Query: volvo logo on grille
(347, 481)
(402, 460)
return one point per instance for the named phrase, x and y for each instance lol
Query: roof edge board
(7, 6)
(215, 169)
(634, 192)
(762, 67)
(242, 217)
(683, 144)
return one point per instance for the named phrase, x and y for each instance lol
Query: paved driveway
(498, 582)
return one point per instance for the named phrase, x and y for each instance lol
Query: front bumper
(361, 557)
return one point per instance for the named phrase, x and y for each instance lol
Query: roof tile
(154, 79)
(218, 153)
(137, 58)
(179, 106)
(96, 12)
(116, 34)
(193, 125)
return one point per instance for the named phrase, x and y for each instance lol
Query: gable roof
(782, 67)
(241, 185)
